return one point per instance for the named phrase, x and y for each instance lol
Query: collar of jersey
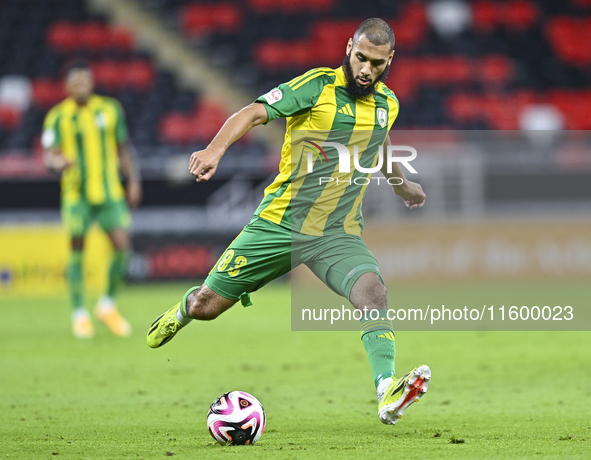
(341, 80)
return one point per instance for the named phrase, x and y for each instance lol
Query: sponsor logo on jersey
(346, 110)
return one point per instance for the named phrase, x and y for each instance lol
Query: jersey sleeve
(51, 136)
(296, 96)
(121, 132)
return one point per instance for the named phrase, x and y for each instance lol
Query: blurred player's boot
(401, 393)
(82, 326)
(106, 312)
(165, 327)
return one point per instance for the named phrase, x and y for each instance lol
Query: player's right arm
(288, 99)
(53, 157)
(203, 163)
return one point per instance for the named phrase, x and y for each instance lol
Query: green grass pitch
(493, 394)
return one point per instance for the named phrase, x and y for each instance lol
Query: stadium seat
(516, 14)
(47, 92)
(63, 37)
(198, 19)
(9, 117)
(571, 39)
(291, 6)
(574, 105)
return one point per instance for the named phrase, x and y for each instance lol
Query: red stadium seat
(519, 14)
(500, 111)
(571, 39)
(93, 36)
(494, 69)
(175, 128)
(291, 6)
(411, 27)
(574, 105)
(515, 14)
(121, 39)
(63, 36)
(465, 107)
(96, 37)
(108, 75)
(139, 74)
(47, 92)
(10, 117)
(200, 126)
(199, 19)
(272, 54)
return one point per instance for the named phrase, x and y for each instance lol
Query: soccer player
(85, 140)
(304, 220)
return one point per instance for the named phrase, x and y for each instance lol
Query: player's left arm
(411, 193)
(131, 172)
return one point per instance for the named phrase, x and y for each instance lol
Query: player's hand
(411, 193)
(56, 162)
(204, 163)
(134, 193)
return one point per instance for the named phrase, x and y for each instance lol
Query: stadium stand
(507, 50)
(458, 65)
(39, 37)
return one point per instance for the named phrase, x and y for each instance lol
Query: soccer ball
(236, 418)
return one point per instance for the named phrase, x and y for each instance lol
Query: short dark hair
(79, 64)
(377, 31)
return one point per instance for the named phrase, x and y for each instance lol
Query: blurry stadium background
(495, 95)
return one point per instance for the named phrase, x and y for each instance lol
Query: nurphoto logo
(316, 150)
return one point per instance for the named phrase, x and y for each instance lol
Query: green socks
(379, 342)
(75, 279)
(117, 272)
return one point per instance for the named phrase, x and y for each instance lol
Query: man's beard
(355, 90)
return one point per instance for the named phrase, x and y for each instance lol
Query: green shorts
(109, 215)
(264, 251)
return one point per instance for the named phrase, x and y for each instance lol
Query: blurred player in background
(85, 140)
(303, 220)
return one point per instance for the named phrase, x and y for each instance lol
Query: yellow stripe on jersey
(311, 77)
(95, 190)
(366, 115)
(71, 178)
(316, 220)
(316, 72)
(276, 209)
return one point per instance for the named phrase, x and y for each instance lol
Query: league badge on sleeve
(382, 117)
(273, 96)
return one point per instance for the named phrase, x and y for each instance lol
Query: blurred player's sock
(82, 326)
(379, 342)
(106, 311)
(117, 271)
(75, 279)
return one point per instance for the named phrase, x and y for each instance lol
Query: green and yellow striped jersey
(88, 136)
(319, 110)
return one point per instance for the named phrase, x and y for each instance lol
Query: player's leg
(347, 266)
(258, 255)
(114, 219)
(76, 218)
(199, 302)
(377, 334)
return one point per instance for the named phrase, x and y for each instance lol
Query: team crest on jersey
(273, 96)
(382, 117)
